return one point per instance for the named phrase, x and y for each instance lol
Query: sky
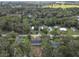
(39, 0)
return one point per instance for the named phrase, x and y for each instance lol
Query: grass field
(62, 6)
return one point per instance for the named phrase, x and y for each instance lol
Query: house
(78, 18)
(56, 26)
(36, 42)
(29, 15)
(32, 27)
(54, 44)
(41, 27)
(49, 29)
(3, 35)
(51, 36)
(63, 29)
(73, 29)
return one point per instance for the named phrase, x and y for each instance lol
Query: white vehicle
(56, 26)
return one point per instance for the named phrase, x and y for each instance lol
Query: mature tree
(25, 46)
(47, 48)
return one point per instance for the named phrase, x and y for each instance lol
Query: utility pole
(21, 17)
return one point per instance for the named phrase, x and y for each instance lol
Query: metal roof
(36, 42)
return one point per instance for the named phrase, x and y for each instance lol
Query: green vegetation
(20, 27)
(64, 6)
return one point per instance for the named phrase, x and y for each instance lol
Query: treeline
(21, 21)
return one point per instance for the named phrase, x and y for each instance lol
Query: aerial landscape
(39, 29)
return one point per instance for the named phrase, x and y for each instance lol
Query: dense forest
(22, 22)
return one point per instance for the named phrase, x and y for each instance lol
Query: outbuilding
(78, 18)
(63, 29)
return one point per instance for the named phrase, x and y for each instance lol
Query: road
(35, 35)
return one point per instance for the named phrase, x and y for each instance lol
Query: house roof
(36, 42)
(78, 19)
(50, 28)
(54, 44)
(32, 27)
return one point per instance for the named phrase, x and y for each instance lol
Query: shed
(54, 44)
(36, 42)
(73, 29)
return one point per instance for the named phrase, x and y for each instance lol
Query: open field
(64, 6)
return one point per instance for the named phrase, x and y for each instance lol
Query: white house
(42, 27)
(56, 26)
(73, 29)
(29, 15)
(78, 18)
(49, 29)
(51, 36)
(63, 29)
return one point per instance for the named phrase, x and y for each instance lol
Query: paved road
(54, 44)
(35, 35)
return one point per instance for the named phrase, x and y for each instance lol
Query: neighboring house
(18, 6)
(3, 35)
(45, 6)
(63, 29)
(78, 18)
(73, 29)
(41, 27)
(36, 42)
(54, 44)
(29, 15)
(51, 36)
(36, 37)
(56, 26)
